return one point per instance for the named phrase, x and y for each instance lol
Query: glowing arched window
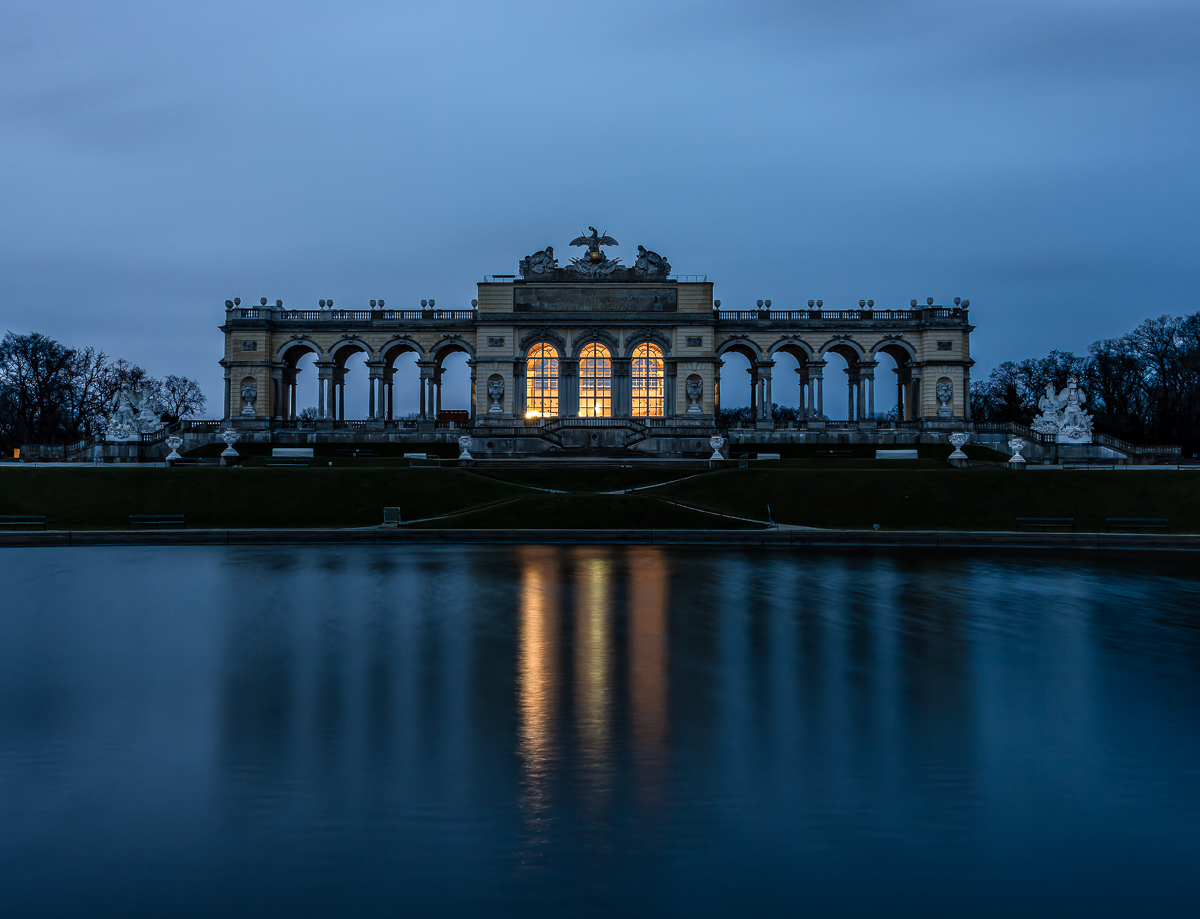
(647, 380)
(595, 382)
(541, 382)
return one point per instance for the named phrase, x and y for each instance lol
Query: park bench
(896, 455)
(832, 453)
(1138, 523)
(347, 451)
(23, 520)
(156, 520)
(1047, 522)
(289, 456)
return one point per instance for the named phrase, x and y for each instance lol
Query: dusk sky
(1038, 158)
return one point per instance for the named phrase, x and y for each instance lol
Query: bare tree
(180, 397)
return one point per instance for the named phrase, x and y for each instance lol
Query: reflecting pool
(575, 731)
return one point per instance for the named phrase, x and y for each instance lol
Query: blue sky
(1039, 158)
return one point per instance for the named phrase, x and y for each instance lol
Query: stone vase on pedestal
(1016, 444)
(958, 458)
(229, 454)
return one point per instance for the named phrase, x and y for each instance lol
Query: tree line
(1143, 387)
(53, 394)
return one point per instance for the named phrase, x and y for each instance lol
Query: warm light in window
(595, 382)
(647, 377)
(541, 382)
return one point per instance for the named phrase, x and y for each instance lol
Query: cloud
(1036, 157)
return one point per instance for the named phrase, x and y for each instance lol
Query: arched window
(595, 382)
(647, 380)
(541, 382)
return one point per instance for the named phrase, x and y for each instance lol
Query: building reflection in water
(537, 673)
(570, 675)
(648, 664)
(593, 576)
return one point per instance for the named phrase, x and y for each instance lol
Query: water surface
(596, 730)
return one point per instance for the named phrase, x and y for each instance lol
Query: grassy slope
(854, 494)
(214, 497)
(585, 480)
(944, 498)
(589, 511)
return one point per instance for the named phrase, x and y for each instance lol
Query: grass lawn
(854, 494)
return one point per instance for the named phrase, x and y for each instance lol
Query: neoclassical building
(596, 353)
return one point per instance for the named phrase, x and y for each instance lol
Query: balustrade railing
(368, 315)
(840, 315)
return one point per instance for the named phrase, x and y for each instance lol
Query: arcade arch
(299, 378)
(351, 357)
(734, 390)
(901, 358)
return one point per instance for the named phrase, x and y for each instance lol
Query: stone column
(277, 393)
(324, 388)
(519, 394)
(818, 375)
(670, 375)
(471, 364)
(966, 393)
(622, 394)
(437, 392)
(717, 365)
(867, 372)
(385, 396)
(425, 369)
(753, 371)
(914, 395)
(768, 401)
(375, 408)
(228, 394)
(568, 388)
(851, 379)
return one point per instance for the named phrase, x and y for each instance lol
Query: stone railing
(278, 314)
(858, 315)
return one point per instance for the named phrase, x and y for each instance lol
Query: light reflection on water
(585, 730)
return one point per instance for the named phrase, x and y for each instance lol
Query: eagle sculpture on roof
(595, 241)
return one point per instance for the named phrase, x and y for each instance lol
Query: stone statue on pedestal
(1063, 416)
(694, 390)
(132, 412)
(716, 442)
